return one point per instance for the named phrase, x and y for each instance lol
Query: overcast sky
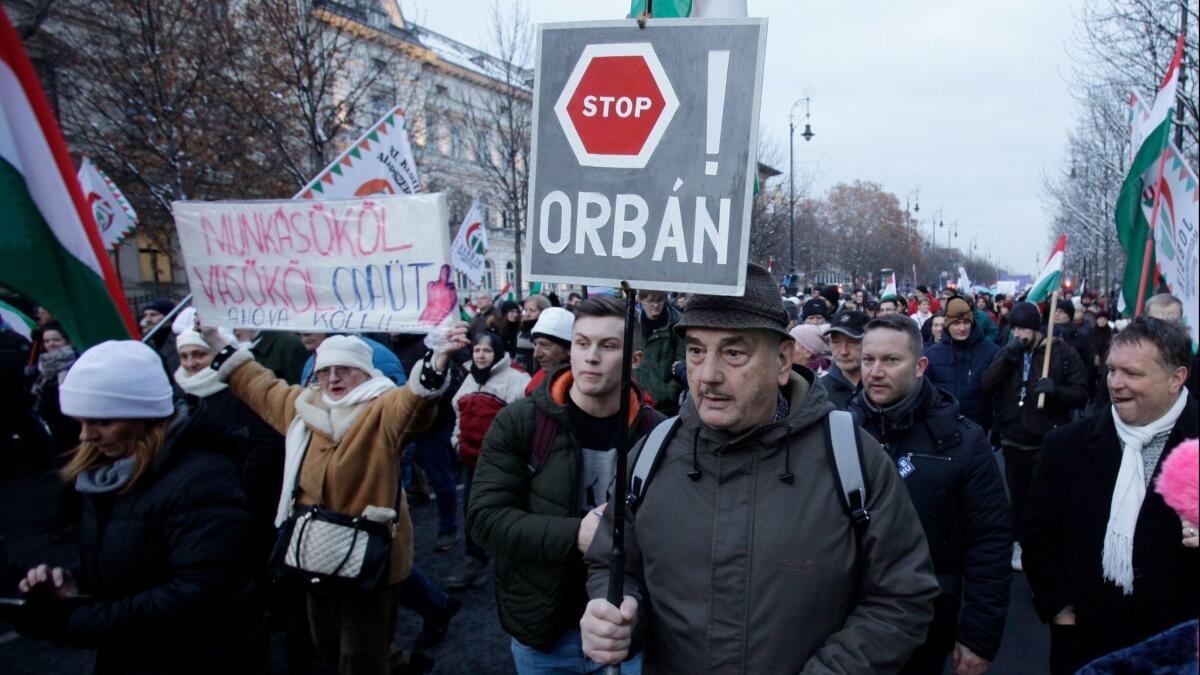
(965, 101)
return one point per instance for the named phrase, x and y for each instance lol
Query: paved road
(475, 645)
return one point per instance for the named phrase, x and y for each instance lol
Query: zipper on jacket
(911, 455)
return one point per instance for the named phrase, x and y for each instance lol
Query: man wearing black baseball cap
(844, 378)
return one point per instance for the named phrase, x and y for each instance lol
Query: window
(510, 273)
(155, 264)
(489, 277)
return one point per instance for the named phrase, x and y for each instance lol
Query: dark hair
(1174, 345)
(904, 324)
(573, 294)
(57, 327)
(603, 306)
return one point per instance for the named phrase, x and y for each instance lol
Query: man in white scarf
(1103, 552)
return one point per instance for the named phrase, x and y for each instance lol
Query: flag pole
(1049, 344)
(166, 320)
(616, 557)
(1141, 301)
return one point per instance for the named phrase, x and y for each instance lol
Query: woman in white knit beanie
(162, 585)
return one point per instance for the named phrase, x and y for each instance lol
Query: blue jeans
(433, 454)
(564, 658)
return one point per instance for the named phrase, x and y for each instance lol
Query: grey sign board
(644, 155)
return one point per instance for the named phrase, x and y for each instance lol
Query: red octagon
(616, 105)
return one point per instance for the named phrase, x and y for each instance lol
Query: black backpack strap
(648, 459)
(846, 452)
(545, 429)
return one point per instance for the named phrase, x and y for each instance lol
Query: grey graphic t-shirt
(598, 438)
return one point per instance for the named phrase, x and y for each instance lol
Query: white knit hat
(117, 380)
(554, 323)
(185, 320)
(344, 350)
(190, 338)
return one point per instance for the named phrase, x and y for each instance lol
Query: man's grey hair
(903, 324)
(1164, 301)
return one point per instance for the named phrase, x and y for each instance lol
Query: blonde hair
(145, 449)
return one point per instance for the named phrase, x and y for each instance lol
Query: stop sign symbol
(616, 105)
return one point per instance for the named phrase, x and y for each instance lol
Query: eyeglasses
(341, 371)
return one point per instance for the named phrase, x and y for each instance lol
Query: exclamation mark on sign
(718, 68)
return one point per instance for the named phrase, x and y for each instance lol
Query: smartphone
(12, 602)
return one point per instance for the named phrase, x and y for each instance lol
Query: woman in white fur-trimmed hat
(344, 439)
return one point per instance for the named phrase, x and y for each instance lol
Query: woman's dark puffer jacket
(167, 566)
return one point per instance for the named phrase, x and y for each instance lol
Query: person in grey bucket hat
(759, 307)
(748, 456)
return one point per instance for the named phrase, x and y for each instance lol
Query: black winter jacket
(1023, 423)
(259, 451)
(167, 566)
(956, 487)
(1063, 529)
(838, 389)
(957, 368)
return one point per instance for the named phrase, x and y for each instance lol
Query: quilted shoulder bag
(325, 549)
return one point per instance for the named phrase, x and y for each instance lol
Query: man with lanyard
(1015, 383)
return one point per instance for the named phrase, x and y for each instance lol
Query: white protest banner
(114, 215)
(1175, 235)
(470, 245)
(643, 153)
(352, 265)
(380, 162)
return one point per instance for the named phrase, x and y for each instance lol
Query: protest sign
(352, 265)
(470, 245)
(644, 153)
(380, 162)
(114, 215)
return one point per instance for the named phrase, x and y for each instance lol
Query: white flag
(114, 215)
(470, 245)
(379, 162)
(1175, 235)
(964, 281)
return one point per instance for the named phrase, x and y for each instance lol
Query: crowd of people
(820, 480)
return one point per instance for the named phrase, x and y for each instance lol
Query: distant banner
(470, 245)
(114, 215)
(353, 265)
(380, 162)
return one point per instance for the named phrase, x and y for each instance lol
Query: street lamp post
(807, 135)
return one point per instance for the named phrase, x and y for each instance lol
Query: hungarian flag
(890, 288)
(1149, 137)
(15, 320)
(49, 242)
(691, 9)
(1051, 277)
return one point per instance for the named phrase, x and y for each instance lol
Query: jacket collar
(1105, 447)
(551, 395)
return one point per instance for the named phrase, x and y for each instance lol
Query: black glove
(1045, 386)
(42, 617)
(1014, 351)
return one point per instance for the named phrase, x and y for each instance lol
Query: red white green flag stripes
(1051, 277)
(1153, 131)
(50, 249)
